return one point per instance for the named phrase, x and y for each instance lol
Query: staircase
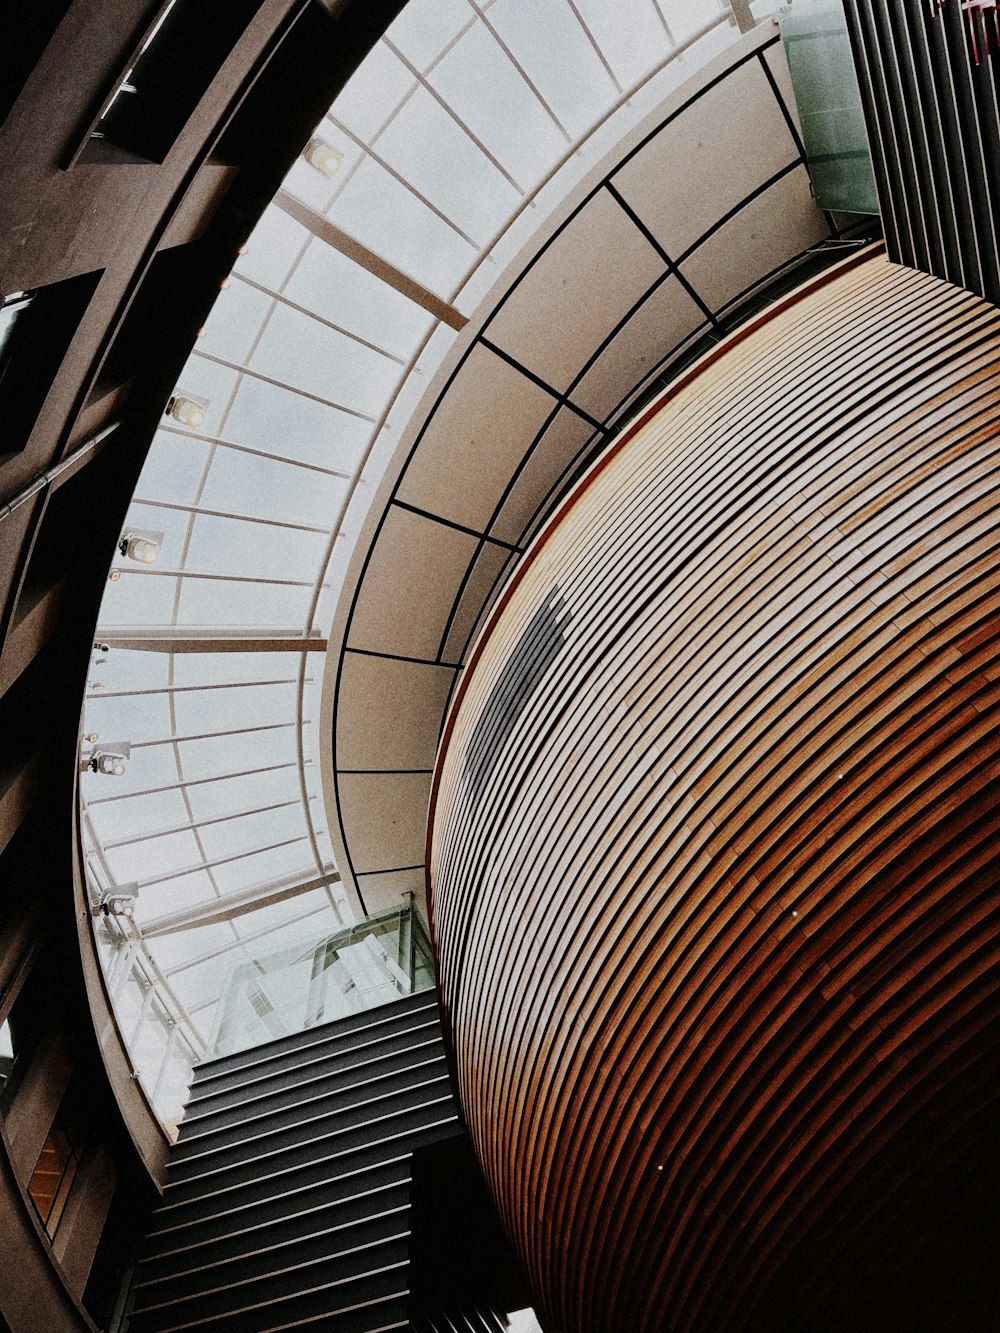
(288, 1196)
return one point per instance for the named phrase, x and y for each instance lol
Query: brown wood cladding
(718, 935)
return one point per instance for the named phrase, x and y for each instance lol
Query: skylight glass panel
(235, 604)
(342, 291)
(425, 28)
(274, 246)
(393, 222)
(269, 489)
(173, 467)
(249, 832)
(228, 546)
(240, 752)
(629, 33)
(142, 717)
(225, 706)
(374, 92)
(262, 866)
(686, 17)
(136, 816)
(138, 598)
(548, 42)
(512, 123)
(174, 895)
(176, 954)
(311, 356)
(153, 857)
(236, 322)
(426, 146)
(269, 418)
(266, 786)
(223, 667)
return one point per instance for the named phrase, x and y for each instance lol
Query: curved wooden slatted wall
(717, 933)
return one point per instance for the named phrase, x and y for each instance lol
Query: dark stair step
(301, 1215)
(333, 1169)
(283, 1278)
(265, 1114)
(336, 1131)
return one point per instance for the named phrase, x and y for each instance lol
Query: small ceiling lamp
(141, 545)
(119, 901)
(187, 409)
(111, 759)
(323, 156)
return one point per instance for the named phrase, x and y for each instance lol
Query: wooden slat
(716, 922)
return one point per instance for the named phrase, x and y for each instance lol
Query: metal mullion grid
(195, 509)
(147, 571)
(595, 44)
(246, 370)
(193, 689)
(320, 319)
(400, 179)
(257, 453)
(211, 735)
(480, 11)
(678, 50)
(135, 954)
(191, 782)
(209, 865)
(316, 585)
(450, 111)
(663, 22)
(240, 941)
(202, 823)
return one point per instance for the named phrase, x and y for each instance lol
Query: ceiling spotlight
(323, 156)
(92, 736)
(119, 901)
(114, 575)
(111, 759)
(187, 409)
(140, 545)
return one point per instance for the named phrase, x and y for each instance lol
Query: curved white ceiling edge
(382, 477)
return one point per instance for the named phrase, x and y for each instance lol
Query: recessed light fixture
(323, 156)
(111, 759)
(187, 409)
(141, 545)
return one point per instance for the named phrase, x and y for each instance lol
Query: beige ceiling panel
(711, 157)
(382, 892)
(775, 227)
(410, 585)
(475, 439)
(490, 562)
(564, 440)
(579, 289)
(389, 712)
(384, 818)
(659, 325)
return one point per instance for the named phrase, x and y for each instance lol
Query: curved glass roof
(466, 124)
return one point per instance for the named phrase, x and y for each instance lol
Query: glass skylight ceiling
(464, 127)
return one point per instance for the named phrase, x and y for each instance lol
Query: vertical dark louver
(934, 129)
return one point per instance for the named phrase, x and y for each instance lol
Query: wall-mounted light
(323, 156)
(141, 545)
(111, 759)
(187, 409)
(119, 901)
